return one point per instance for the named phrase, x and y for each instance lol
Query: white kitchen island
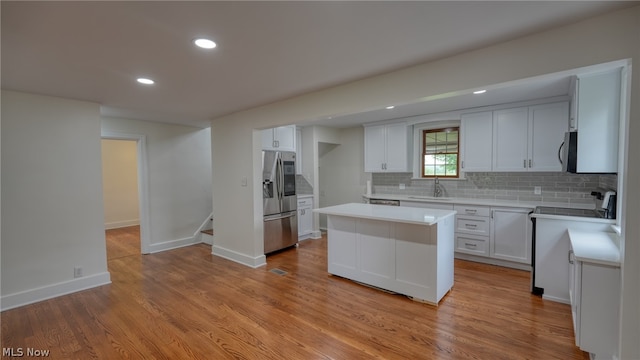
(401, 249)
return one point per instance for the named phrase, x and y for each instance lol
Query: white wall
(341, 171)
(120, 183)
(179, 178)
(52, 214)
(601, 39)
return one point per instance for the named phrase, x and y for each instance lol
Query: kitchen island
(401, 249)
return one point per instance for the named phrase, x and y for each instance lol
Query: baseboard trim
(246, 260)
(172, 244)
(31, 296)
(556, 299)
(121, 224)
(316, 234)
(492, 261)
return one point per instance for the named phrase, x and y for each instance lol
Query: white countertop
(401, 214)
(474, 201)
(595, 247)
(502, 203)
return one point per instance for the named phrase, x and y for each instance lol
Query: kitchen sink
(429, 198)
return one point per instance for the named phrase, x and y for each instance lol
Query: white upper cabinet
(281, 138)
(598, 121)
(547, 125)
(386, 148)
(476, 146)
(510, 139)
(529, 138)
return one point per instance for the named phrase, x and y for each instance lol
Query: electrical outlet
(537, 190)
(77, 271)
(401, 186)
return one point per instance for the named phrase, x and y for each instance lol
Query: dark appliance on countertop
(280, 203)
(606, 210)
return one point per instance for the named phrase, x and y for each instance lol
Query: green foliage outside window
(440, 153)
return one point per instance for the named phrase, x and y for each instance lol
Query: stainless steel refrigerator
(280, 203)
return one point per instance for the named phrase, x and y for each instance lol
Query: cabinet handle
(472, 211)
(569, 256)
(471, 245)
(462, 164)
(530, 163)
(471, 225)
(524, 163)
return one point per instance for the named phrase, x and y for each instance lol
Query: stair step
(208, 232)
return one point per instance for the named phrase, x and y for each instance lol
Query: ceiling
(267, 51)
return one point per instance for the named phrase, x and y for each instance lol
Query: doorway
(125, 197)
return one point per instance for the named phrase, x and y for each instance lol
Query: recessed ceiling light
(204, 43)
(146, 81)
(390, 107)
(480, 92)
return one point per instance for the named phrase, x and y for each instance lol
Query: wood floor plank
(187, 304)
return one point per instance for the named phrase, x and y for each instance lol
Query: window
(440, 153)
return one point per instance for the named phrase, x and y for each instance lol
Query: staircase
(206, 234)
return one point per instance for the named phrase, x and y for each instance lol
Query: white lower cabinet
(472, 230)
(503, 234)
(305, 218)
(594, 290)
(495, 235)
(511, 234)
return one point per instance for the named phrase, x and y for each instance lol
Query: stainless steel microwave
(568, 152)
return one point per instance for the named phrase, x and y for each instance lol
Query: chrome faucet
(437, 191)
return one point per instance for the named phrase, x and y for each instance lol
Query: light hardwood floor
(188, 304)
(123, 242)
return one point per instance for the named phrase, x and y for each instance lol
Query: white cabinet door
(547, 125)
(305, 217)
(267, 140)
(286, 137)
(598, 122)
(510, 139)
(477, 141)
(598, 310)
(511, 235)
(282, 138)
(374, 148)
(386, 148)
(397, 151)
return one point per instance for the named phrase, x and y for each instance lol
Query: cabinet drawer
(472, 225)
(472, 210)
(476, 245)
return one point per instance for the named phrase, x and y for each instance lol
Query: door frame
(143, 184)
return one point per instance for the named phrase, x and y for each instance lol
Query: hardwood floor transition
(187, 304)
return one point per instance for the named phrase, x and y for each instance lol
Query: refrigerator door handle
(279, 179)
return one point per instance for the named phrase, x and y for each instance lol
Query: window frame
(423, 148)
